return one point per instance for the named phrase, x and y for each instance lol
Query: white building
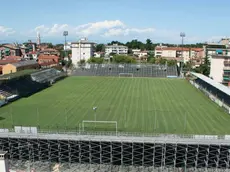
(81, 50)
(67, 46)
(136, 51)
(4, 162)
(117, 49)
(220, 68)
(98, 54)
(139, 53)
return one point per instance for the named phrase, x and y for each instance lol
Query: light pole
(65, 34)
(182, 35)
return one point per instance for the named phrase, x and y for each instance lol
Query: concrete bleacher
(47, 75)
(138, 70)
(29, 84)
(217, 92)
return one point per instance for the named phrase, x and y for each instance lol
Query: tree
(100, 48)
(149, 44)
(123, 59)
(151, 56)
(161, 61)
(116, 42)
(95, 60)
(50, 45)
(204, 68)
(152, 60)
(171, 62)
(81, 62)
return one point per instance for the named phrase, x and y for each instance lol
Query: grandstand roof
(25, 63)
(215, 84)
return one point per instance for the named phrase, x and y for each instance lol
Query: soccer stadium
(115, 117)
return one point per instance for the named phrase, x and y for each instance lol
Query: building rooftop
(179, 49)
(10, 46)
(220, 56)
(25, 63)
(115, 45)
(7, 61)
(48, 57)
(3, 152)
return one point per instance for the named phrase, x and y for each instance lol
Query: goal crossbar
(102, 122)
(126, 74)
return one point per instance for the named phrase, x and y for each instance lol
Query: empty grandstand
(137, 70)
(28, 84)
(217, 92)
(48, 75)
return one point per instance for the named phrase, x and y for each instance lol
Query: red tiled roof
(48, 63)
(33, 52)
(4, 62)
(179, 49)
(172, 48)
(49, 49)
(197, 49)
(48, 57)
(13, 58)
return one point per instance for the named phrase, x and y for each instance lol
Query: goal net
(107, 126)
(126, 75)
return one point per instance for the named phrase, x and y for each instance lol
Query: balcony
(226, 68)
(226, 62)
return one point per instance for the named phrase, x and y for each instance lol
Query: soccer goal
(125, 75)
(110, 126)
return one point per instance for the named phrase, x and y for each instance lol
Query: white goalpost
(125, 75)
(101, 122)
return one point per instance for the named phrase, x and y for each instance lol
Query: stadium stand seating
(29, 84)
(219, 94)
(138, 70)
(47, 75)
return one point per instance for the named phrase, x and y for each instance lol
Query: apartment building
(179, 53)
(82, 50)
(220, 68)
(117, 49)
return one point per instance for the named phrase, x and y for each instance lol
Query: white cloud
(127, 31)
(98, 27)
(54, 30)
(107, 28)
(5, 31)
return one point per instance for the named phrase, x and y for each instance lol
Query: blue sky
(122, 20)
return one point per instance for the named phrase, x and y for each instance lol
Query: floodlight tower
(182, 35)
(65, 34)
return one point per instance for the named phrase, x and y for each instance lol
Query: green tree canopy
(123, 59)
(95, 60)
(100, 48)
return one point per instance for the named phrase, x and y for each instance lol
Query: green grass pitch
(146, 105)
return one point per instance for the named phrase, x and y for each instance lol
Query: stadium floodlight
(182, 35)
(65, 34)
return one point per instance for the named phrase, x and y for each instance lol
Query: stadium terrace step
(139, 70)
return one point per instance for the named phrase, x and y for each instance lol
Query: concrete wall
(9, 68)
